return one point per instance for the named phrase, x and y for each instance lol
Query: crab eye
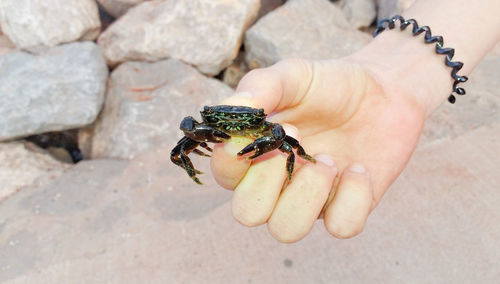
(261, 111)
(187, 124)
(206, 109)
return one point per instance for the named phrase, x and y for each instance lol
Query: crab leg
(290, 161)
(260, 146)
(204, 145)
(265, 144)
(300, 151)
(179, 156)
(201, 153)
(188, 166)
(174, 154)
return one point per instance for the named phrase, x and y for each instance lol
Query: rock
(145, 104)
(267, 6)
(389, 8)
(33, 25)
(106, 18)
(62, 88)
(309, 29)
(62, 145)
(101, 205)
(204, 33)
(145, 221)
(234, 72)
(20, 167)
(6, 46)
(117, 8)
(85, 136)
(360, 13)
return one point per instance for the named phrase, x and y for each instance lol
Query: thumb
(275, 87)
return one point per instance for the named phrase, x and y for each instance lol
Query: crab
(222, 122)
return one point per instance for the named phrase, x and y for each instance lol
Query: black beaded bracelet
(455, 65)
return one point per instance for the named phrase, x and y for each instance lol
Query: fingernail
(325, 159)
(246, 95)
(357, 168)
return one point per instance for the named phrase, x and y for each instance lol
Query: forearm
(408, 66)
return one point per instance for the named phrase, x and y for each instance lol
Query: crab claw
(261, 146)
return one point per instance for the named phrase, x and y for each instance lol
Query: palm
(351, 119)
(340, 112)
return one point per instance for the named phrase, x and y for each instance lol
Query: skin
(360, 116)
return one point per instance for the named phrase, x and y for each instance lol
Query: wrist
(408, 68)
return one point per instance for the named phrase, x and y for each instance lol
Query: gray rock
(145, 104)
(205, 33)
(20, 167)
(117, 8)
(360, 13)
(389, 8)
(62, 88)
(313, 29)
(34, 25)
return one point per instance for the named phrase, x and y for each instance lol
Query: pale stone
(20, 167)
(267, 6)
(235, 72)
(390, 8)
(34, 25)
(106, 18)
(6, 46)
(146, 103)
(146, 221)
(313, 29)
(204, 33)
(62, 88)
(117, 8)
(360, 13)
(85, 136)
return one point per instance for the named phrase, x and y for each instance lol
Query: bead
(460, 91)
(416, 30)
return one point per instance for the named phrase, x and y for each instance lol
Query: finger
(275, 87)
(302, 200)
(269, 88)
(256, 195)
(227, 168)
(346, 215)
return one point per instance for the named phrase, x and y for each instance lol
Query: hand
(364, 112)
(361, 134)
